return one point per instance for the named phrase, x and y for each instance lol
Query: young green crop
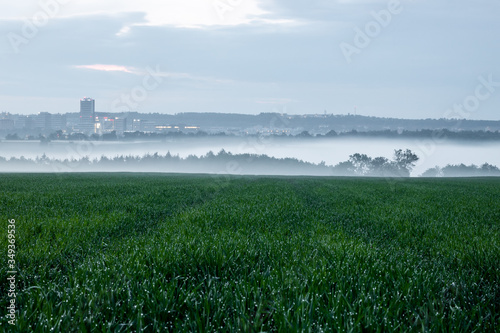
(154, 253)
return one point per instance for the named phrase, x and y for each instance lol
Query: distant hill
(44, 124)
(321, 123)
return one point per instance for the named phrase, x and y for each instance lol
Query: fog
(314, 150)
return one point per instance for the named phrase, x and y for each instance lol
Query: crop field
(159, 253)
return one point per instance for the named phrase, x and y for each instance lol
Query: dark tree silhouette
(361, 163)
(12, 137)
(433, 172)
(405, 161)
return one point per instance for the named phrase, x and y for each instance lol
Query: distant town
(89, 124)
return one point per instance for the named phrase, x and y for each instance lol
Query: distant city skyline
(401, 59)
(88, 122)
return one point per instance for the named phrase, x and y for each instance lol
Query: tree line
(401, 165)
(387, 134)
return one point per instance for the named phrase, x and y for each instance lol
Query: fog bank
(330, 151)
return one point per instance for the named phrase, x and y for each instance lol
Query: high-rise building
(43, 121)
(87, 115)
(58, 122)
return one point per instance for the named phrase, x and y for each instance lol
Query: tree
(361, 163)
(57, 135)
(489, 170)
(12, 137)
(379, 166)
(43, 140)
(344, 169)
(405, 161)
(304, 134)
(110, 136)
(77, 136)
(460, 170)
(433, 172)
(331, 133)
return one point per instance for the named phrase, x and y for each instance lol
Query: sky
(397, 58)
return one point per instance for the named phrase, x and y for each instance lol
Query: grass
(155, 253)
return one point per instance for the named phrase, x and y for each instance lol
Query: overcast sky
(407, 59)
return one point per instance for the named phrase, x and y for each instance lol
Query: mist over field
(330, 151)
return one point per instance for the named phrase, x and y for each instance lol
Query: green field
(154, 253)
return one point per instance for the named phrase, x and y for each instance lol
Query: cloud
(107, 68)
(152, 71)
(180, 13)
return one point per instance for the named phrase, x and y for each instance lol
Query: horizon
(253, 114)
